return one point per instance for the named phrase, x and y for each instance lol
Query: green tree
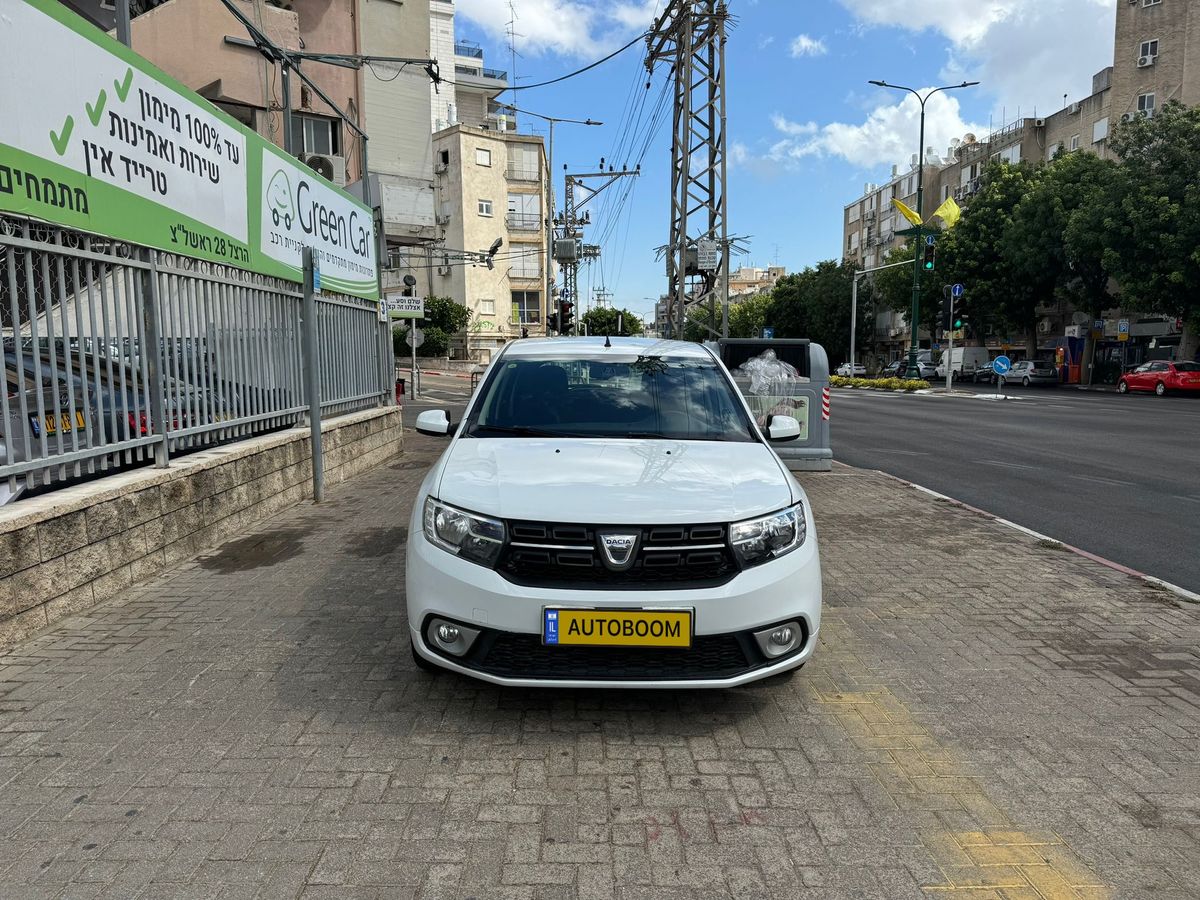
(747, 318)
(893, 287)
(1151, 228)
(604, 320)
(980, 258)
(436, 342)
(446, 314)
(815, 304)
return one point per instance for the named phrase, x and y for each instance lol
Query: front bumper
(510, 652)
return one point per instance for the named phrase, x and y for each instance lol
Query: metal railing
(115, 354)
(522, 221)
(473, 51)
(523, 173)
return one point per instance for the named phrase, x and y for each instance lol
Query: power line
(587, 68)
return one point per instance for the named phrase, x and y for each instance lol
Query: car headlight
(759, 540)
(475, 538)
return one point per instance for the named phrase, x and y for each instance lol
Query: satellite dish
(410, 281)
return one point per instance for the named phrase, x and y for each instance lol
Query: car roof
(591, 347)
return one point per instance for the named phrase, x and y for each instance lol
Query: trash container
(786, 377)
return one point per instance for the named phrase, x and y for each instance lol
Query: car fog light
(450, 637)
(782, 636)
(780, 640)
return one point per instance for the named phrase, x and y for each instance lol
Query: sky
(806, 131)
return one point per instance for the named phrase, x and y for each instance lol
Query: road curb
(445, 374)
(1181, 592)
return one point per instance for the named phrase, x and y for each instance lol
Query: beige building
(749, 281)
(468, 96)
(492, 184)
(870, 223)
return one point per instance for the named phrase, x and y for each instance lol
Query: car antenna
(607, 342)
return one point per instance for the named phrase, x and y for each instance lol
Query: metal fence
(114, 354)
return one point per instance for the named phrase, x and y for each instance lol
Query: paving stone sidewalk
(986, 717)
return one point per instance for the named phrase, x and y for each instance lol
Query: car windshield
(674, 397)
(1187, 367)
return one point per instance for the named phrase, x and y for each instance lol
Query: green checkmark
(122, 87)
(95, 112)
(63, 137)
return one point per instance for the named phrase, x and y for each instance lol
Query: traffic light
(566, 316)
(927, 260)
(959, 320)
(552, 323)
(948, 313)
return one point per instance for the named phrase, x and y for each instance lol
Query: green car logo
(279, 199)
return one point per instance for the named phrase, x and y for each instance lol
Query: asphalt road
(1115, 475)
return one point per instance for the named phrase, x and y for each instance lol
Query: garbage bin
(399, 390)
(786, 377)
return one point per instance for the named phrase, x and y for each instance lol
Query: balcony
(518, 221)
(495, 75)
(472, 51)
(523, 173)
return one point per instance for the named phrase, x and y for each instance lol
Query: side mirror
(434, 422)
(782, 428)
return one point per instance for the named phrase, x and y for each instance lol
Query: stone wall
(71, 549)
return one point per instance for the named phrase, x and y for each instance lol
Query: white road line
(1006, 465)
(1098, 480)
(901, 452)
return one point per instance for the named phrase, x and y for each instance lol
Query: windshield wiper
(521, 430)
(647, 435)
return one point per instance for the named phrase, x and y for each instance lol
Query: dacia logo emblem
(619, 549)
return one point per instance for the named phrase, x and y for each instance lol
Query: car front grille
(509, 655)
(672, 557)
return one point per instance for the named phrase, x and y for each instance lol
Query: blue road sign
(1001, 365)
(930, 240)
(768, 334)
(957, 291)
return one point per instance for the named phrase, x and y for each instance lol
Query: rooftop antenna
(513, 34)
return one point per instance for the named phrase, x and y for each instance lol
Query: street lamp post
(549, 217)
(913, 371)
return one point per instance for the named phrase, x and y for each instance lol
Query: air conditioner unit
(1073, 109)
(1039, 123)
(871, 215)
(1127, 117)
(442, 220)
(443, 270)
(440, 169)
(1044, 326)
(332, 168)
(1146, 61)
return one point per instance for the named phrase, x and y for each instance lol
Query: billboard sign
(112, 145)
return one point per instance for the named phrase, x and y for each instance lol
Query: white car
(858, 371)
(608, 514)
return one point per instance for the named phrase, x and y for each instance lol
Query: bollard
(399, 390)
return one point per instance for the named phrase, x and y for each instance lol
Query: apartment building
(749, 281)
(492, 184)
(469, 93)
(1156, 58)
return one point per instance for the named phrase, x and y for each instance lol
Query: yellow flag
(907, 212)
(950, 212)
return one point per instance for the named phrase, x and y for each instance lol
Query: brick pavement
(986, 717)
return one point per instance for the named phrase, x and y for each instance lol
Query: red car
(1161, 376)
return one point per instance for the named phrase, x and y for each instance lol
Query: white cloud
(886, 137)
(576, 28)
(1026, 53)
(803, 45)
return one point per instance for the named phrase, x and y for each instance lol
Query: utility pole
(573, 219)
(548, 279)
(689, 36)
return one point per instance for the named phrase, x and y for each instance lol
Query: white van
(964, 361)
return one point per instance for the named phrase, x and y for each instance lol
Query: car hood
(613, 482)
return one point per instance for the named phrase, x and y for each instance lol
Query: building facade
(492, 184)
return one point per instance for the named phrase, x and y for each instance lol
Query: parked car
(1032, 371)
(898, 368)
(1162, 376)
(564, 539)
(859, 371)
(963, 361)
(984, 375)
(894, 369)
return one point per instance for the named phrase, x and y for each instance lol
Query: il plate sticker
(551, 626)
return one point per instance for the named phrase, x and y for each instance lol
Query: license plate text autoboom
(618, 628)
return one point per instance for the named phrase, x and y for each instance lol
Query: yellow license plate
(617, 627)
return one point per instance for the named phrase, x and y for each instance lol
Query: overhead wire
(561, 78)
